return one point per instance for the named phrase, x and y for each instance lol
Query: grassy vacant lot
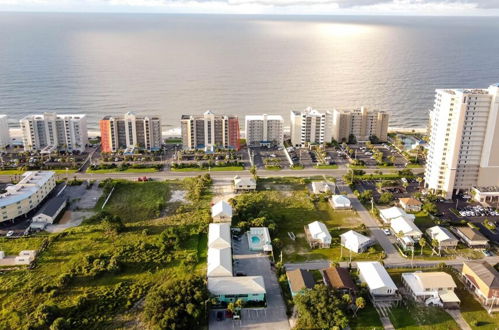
(367, 318)
(135, 201)
(293, 209)
(12, 246)
(19, 172)
(105, 298)
(213, 169)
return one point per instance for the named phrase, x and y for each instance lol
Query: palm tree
(435, 243)
(359, 303)
(347, 298)
(422, 243)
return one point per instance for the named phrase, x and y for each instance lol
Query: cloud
(435, 7)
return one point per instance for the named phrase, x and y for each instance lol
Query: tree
(347, 298)
(253, 171)
(352, 139)
(435, 243)
(318, 308)
(422, 243)
(385, 198)
(430, 208)
(359, 304)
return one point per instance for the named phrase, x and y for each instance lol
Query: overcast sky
(390, 7)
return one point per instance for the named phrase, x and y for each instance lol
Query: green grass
(423, 221)
(273, 168)
(377, 177)
(12, 246)
(293, 209)
(19, 172)
(138, 201)
(367, 318)
(297, 167)
(414, 166)
(327, 167)
(213, 169)
(357, 167)
(128, 170)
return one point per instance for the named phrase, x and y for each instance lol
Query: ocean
(169, 65)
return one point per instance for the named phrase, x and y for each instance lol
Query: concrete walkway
(456, 315)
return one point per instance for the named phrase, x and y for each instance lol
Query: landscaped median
(213, 169)
(327, 167)
(20, 172)
(124, 168)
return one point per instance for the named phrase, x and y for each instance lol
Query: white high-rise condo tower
(4, 132)
(463, 150)
(264, 130)
(51, 131)
(310, 127)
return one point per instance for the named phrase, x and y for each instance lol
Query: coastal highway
(162, 175)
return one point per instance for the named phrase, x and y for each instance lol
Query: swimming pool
(255, 239)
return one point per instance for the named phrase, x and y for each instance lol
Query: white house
(355, 242)
(221, 212)
(410, 204)
(319, 187)
(443, 236)
(51, 210)
(340, 202)
(219, 262)
(432, 288)
(394, 212)
(318, 235)
(244, 183)
(219, 236)
(406, 227)
(377, 279)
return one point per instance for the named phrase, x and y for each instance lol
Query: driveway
(274, 315)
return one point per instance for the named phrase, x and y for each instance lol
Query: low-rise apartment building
(23, 197)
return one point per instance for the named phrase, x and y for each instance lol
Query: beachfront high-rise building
(464, 138)
(50, 131)
(130, 131)
(264, 130)
(209, 131)
(360, 123)
(4, 131)
(310, 126)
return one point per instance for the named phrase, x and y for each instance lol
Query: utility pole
(372, 205)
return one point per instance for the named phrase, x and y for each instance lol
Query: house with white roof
(443, 236)
(377, 279)
(219, 262)
(219, 236)
(244, 184)
(355, 242)
(318, 235)
(432, 288)
(340, 202)
(221, 212)
(230, 289)
(387, 215)
(406, 227)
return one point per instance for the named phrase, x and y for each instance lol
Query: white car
(387, 232)
(10, 233)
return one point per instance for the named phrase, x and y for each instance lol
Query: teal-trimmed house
(299, 280)
(230, 289)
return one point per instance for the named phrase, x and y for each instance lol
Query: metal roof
(52, 206)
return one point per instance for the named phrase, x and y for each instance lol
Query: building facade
(26, 195)
(310, 126)
(4, 131)
(361, 123)
(50, 131)
(264, 130)
(130, 131)
(209, 131)
(464, 135)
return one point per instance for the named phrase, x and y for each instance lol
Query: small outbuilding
(355, 242)
(320, 187)
(221, 212)
(340, 202)
(51, 210)
(244, 184)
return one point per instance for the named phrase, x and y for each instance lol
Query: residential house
(299, 280)
(339, 279)
(410, 204)
(320, 187)
(242, 184)
(472, 237)
(406, 227)
(387, 215)
(443, 236)
(340, 202)
(483, 280)
(378, 281)
(355, 242)
(231, 289)
(318, 235)
(221, 212)
(432, 288)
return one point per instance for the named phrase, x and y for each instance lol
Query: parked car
(487, 253)
(220, 316)
(387, 232)
(10, 233)
(240, 274)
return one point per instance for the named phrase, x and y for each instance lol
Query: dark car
(220, 316)
(240, 274)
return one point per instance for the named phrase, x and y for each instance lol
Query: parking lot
(361, 152)
(271, 317)
(274, 154)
